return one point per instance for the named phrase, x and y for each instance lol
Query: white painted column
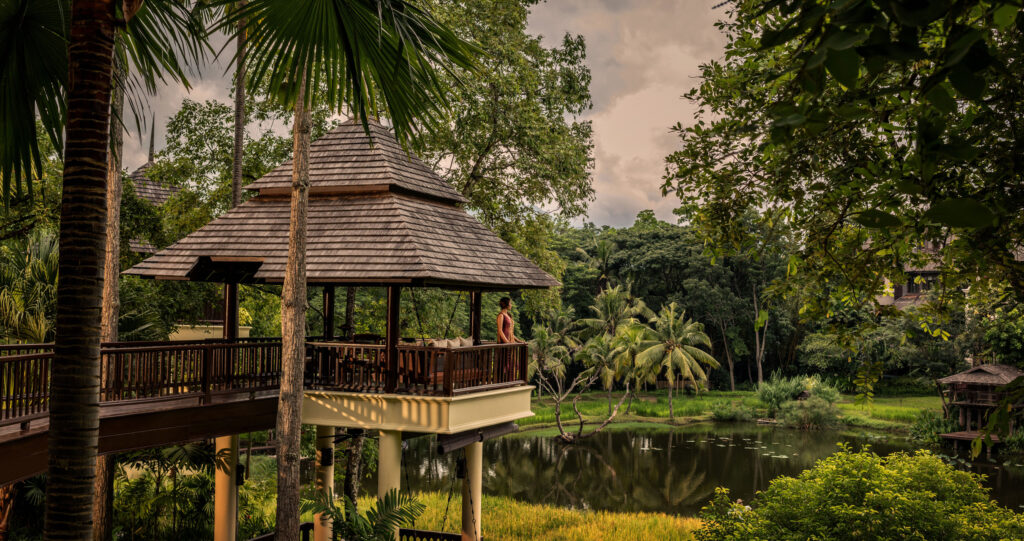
(322, 526)
(225, 490)
(472, 491)
(389, 463)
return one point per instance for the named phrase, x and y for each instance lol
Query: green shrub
(864, 496)
(777, 390)
(928, 425)
(731, 411)
(811, 414)
(822, 389)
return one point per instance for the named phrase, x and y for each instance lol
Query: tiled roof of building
(346, 159)
(985, 374)
(152, 191)
(411, 230)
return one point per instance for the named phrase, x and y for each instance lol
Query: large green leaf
(876, 219)
(960, 212)
(844, 65)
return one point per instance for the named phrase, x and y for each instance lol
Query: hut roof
(358, 234)
(985, 374)
(152, 191)
(347, 160)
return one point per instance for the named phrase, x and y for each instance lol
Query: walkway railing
(421, 370)
(134, 371)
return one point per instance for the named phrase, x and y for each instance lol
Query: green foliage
(378, 523)
(28, 287)
(929, 424)
(732, 411)
(777, 390)
(814, 413)
(863, 496)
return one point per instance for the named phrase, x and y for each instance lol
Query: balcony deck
(161, 393)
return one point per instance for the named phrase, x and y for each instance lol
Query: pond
(656, 468)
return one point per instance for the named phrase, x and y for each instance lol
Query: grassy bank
(894, 413)
(509, 519)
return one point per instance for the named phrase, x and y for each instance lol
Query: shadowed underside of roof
(356, 240)
(346, 159)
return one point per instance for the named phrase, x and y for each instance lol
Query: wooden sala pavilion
(377, 217)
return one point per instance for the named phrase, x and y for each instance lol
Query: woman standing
(506, 327)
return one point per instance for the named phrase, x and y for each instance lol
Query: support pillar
(225, 491)
(472, 491)
(322, 526)
(389, 463)
(328, 313)
(231, 311)
(475, 308)
(391, 337)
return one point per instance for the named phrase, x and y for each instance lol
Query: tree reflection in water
(653, 469)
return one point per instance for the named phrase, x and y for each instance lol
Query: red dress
(506, 327)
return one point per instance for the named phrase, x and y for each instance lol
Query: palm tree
(599, 355)
(600, 259)
(391, 512)
(28, 285)
(629, 341)
(370, 56)
(674, 348)
(46, 44)
(546, 355)
(613, 307)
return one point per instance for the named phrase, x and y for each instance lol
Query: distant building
(913, 291)
(974, 393)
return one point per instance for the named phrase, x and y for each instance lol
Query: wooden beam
(391, 337)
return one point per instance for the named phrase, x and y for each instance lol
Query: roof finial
(152, 138)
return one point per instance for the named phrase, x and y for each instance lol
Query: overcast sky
(643, 55)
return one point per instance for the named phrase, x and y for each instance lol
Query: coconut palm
(613, 307)
(629, 341)
(546, 355)
(44, 44)
(599, 257)
(364, 56)
(674, 348)
(599, 355)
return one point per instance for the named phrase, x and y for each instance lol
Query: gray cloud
(643, 55)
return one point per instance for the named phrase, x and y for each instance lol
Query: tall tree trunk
(7, 495)
(728, 357)
(350, 313)
(103, 503)
(74, 385)
(293, 333)
(671, 412)
(354, 466)
(239, 144)
(759, 337)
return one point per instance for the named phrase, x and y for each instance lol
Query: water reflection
(673, 471)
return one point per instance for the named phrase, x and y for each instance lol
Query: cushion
(465, 342)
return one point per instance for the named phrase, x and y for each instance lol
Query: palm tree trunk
(609, 390)
(102, 514)
(239, 144)
(74, 387)
(671, 412)
(293, 334)
(354, 467)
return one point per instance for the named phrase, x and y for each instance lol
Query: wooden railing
(421, 370)
(154, 370)
(134, 371)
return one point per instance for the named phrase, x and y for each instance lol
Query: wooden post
(328, 313)
(391, 337)
(231, 311)
(475, 299)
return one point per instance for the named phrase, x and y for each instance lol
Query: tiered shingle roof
(150, 190)
(985, 374)
(376, 216)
